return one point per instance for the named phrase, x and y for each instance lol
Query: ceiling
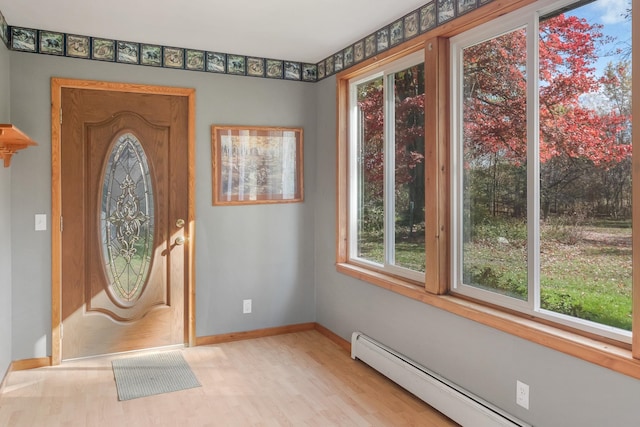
(295, 30)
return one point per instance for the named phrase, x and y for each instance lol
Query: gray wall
(564, 391)
(274, 254)
(262, 252)
(5, 224)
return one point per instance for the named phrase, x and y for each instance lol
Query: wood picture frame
(253, 165)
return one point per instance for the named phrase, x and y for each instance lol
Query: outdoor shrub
(514, 230)
(487, 277)
(562, 303)
(565, 229)
(372, 218)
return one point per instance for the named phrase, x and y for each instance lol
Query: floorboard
(297, 379)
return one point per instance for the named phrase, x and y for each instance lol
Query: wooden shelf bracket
(12, 139)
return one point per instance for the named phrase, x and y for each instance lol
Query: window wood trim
(437, 181)
(355, 269)
(342, 171)
(436, 168)
(617, 356)
(436, 156)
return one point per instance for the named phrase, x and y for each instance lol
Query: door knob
(180, 223)
(180, 240)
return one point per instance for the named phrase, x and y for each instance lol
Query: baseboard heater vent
(458, 404)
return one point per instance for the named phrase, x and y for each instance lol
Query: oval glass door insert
(127, 220)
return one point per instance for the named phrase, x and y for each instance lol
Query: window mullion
(533, 162)
(389, 171)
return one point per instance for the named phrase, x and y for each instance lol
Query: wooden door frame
(57, 84)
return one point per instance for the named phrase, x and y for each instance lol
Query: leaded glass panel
(127, 219)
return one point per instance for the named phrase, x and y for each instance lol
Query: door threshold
(130, 352)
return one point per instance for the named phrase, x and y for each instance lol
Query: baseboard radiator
(458, 404)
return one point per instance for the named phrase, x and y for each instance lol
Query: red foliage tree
(572, 135)
(409, 128)
(567, 52)
(495, 91)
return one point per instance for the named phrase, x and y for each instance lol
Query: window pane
(585, 164)
(409, 168)
(495, 171)
(370, 190)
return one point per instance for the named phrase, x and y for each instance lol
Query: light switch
(41, 222)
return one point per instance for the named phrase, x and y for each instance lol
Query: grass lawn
(585, 271)
(588, 277)
(409, 251)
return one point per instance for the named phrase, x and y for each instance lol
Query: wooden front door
(124, 187)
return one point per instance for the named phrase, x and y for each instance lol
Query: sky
(610, 10)
(610, 14)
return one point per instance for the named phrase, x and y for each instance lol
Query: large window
(386, 160)
(517, 133)
(542, 164)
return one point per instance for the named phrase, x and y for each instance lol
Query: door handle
(180, 241)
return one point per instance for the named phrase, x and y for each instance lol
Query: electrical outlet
(522, 394)
(246, 306)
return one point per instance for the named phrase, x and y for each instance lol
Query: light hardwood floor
(297, 379)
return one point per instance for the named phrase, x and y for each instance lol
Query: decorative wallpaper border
(425, 18)
(127, 52)
(421, 20)
(4, 30)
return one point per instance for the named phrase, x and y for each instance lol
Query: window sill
(608, 354)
